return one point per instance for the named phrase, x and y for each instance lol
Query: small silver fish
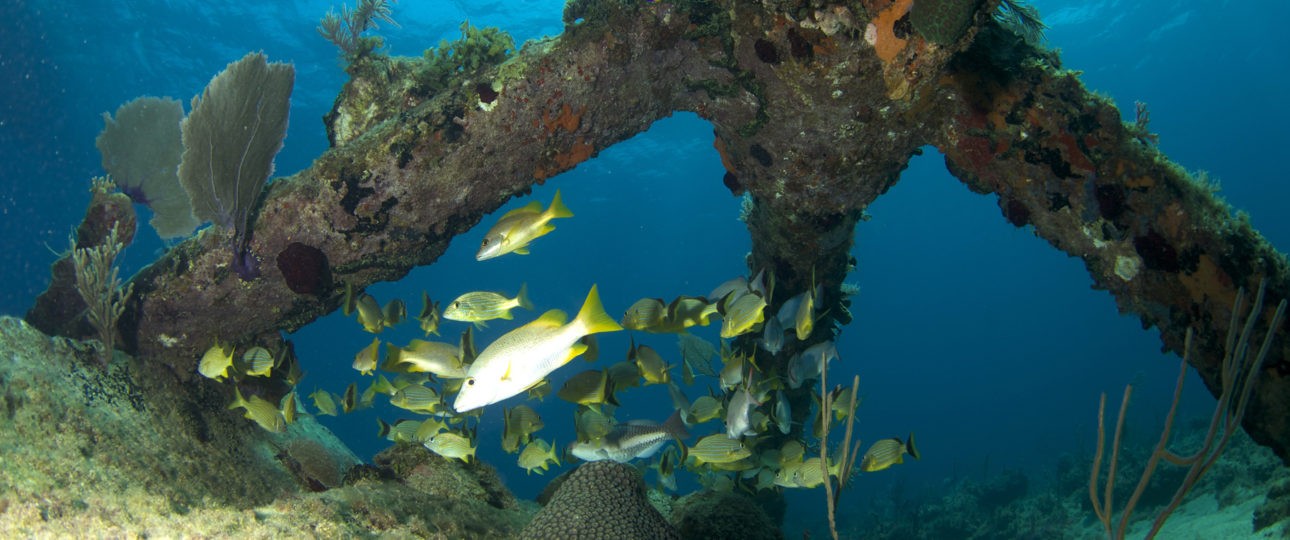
(772, 336)
(808, 364)
(738, 422)
(633, 440)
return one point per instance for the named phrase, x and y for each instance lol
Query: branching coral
(346, 29)
(1240, 370)
(99, 284)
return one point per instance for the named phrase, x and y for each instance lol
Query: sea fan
(141, 149)
(230, 138)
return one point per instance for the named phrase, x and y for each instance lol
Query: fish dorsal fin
(552, 318)
(533, 207)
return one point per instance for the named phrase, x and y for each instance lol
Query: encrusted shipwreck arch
(816, 112)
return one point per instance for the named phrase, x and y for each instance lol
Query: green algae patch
(129, 451)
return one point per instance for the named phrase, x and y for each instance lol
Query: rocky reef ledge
(112, 452)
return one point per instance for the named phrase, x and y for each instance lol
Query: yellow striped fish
(479, 306)
(888, 452)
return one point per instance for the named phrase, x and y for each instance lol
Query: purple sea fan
(230, 138)
(141, 149)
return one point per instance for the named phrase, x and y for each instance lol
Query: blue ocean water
(978, 337)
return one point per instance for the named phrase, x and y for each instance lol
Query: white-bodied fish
(515, 229)
(783, 415)
(738, 422)
(808, 364)
(772, 337)
(632, 440)
(524, 356)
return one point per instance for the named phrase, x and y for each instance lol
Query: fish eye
(470, 382)
(484, 243)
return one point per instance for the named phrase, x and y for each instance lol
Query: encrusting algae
(758, 447)
(102, 450)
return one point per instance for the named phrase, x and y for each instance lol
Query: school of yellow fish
(424, 376)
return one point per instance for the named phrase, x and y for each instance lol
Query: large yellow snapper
(515, 229)
(524, 356)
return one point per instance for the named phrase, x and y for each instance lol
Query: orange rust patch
(566, 119)
(579, 153)
(564, 161)
(1208, 283)
(1074, 155)
(887, 44)
(726, 161)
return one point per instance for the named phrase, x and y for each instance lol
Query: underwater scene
(703, 269)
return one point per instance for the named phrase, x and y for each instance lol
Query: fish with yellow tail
(480, 306)
(429, 317)
(260, 410)
(217, 361)
(451, 445)
(888, 452)
(515, 229)
(524, 356)
(537, 455)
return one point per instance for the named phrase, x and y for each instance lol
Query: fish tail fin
(238, 400)
(910, 448)
(610, 390)
(593, 348)
(522, 299)
(552, 454)
(382, 428)
(393, 356)
(558, 209)
(675, 426)
(592, 316)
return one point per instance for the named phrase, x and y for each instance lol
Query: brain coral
(714, 515)
(942, 21)
(601, 499)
